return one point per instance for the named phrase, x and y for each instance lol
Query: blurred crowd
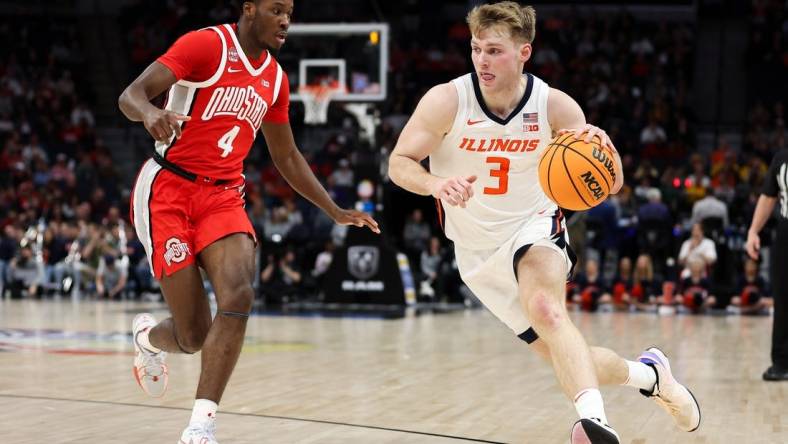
(59, 190)
(676, 229)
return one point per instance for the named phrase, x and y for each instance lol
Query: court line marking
(256, 415)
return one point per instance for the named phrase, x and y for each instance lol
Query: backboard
(355, 54)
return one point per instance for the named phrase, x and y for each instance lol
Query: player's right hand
(753, 245)
(162, 124)
(454, 190)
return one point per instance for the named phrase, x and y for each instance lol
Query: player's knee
(546, 313)
(237, 299)
(192, 341)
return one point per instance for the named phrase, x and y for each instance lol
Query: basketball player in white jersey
(484, 133)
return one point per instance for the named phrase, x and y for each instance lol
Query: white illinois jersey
(504, 154)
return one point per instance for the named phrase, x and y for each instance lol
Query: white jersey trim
(277, 84)
(219, 71)
(141, 199)
(242, 55)
(463, 105)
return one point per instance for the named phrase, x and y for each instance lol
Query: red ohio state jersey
(227, 97)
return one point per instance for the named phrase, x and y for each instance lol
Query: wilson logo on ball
(605, 160)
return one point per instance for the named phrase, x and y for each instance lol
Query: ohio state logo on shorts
(176, 250)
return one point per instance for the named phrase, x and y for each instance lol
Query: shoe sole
(592, 433)
(694, 399)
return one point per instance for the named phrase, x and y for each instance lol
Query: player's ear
(249, 9)
(525, 52)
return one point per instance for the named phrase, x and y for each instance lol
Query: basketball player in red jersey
(223, 85)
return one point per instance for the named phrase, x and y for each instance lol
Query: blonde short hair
(519, 21)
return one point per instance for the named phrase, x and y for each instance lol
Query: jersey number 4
(501, 172)
(226, 141)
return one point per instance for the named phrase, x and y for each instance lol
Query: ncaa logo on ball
(176, 250)
(592, 184)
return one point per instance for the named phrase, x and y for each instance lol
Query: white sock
(204, 410)
(641, 376)
(144, 341)
(588, 404)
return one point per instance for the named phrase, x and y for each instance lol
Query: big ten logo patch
(232, 54)
(176, 251)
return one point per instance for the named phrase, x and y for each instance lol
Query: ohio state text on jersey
(226, 109)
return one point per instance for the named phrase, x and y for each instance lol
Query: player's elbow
(393, 170)
(123, 101)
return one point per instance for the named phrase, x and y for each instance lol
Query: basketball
(574, 174)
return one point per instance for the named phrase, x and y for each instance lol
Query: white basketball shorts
(490, 274)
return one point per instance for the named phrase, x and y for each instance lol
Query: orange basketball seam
(572, 181)
(592, 164)
(549, 168)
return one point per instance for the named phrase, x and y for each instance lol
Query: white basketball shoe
(199, 433)
(150, 371)
(673, 397)
(593, 431)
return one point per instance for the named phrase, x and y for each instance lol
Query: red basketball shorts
(176, 219)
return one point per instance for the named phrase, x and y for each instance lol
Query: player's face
(270, 23)
(498, 59)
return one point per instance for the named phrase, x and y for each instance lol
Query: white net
(316, 99)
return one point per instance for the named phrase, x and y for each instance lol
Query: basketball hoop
(316, 99)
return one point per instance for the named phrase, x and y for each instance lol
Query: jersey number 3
(226, 141)
(501, 172)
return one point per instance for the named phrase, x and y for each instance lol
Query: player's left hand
(357, 218)
(590, 131)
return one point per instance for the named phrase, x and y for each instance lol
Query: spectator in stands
(431, 262)
(697, 182)
(343, 176)
(697, 247)
(9, 242)
(645, 287)
(24, 276)
(752, 295)
(621, 286)
(278, 224)
(323, 262)
(695, 289)
(111, 277)
(654, 210)
(602, 236)
(653, 133)
(280, 279)
(591, 291)
(708, 207)
(415, 236)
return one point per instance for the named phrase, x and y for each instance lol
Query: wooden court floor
(65, 377)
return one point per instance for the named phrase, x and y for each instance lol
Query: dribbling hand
(590, 131)
(753, 245)
(454, 190)
(162, 124)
